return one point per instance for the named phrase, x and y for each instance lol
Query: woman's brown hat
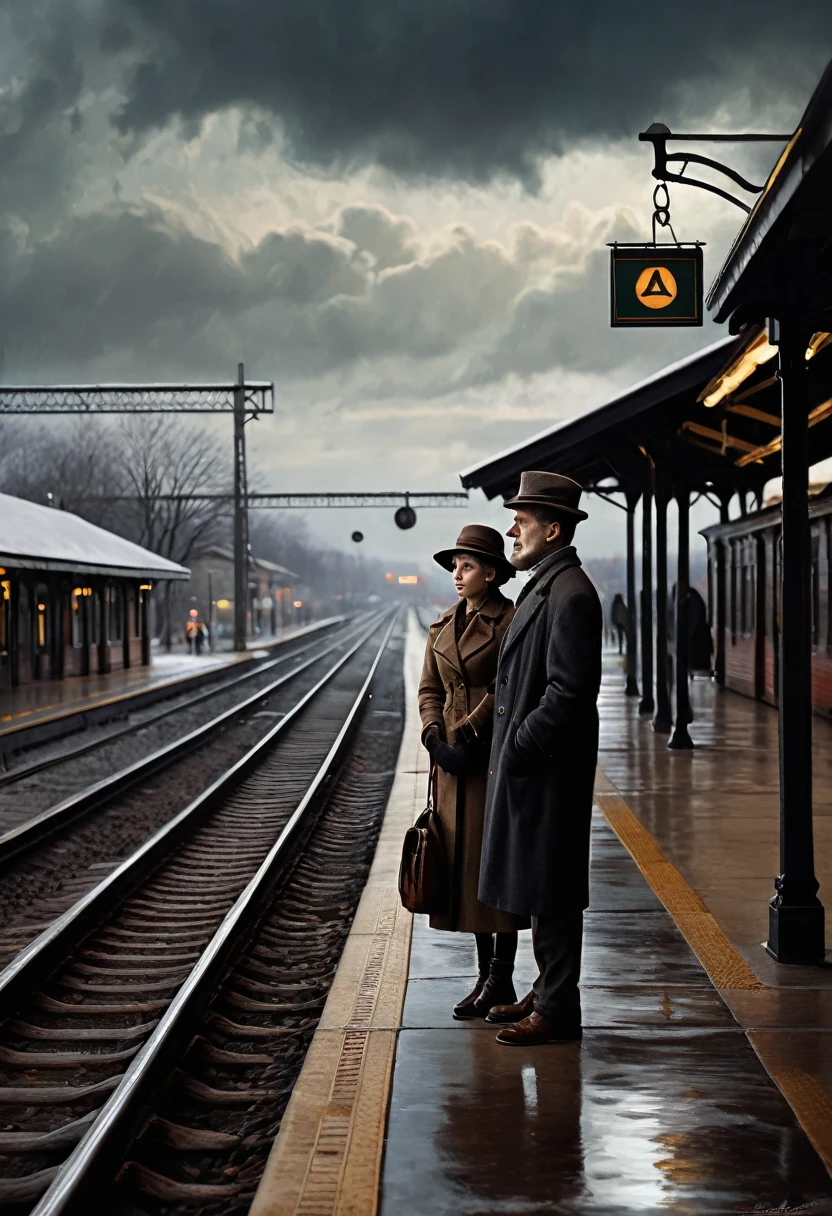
(482, 541)
(539, 489)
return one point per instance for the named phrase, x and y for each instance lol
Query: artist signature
(785, 1207)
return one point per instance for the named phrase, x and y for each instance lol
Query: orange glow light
(408, 578)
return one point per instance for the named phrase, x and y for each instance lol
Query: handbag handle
(431, 798)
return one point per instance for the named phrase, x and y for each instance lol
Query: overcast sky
(396, 210)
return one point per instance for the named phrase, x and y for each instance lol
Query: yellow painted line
(724, 964)
(811, 1104)
(726, 967)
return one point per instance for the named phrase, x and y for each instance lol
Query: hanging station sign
(656, 285)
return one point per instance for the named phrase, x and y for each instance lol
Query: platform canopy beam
(136, 398)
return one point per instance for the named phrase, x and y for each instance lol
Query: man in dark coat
(535, 854)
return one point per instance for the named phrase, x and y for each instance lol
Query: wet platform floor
(664, 1105)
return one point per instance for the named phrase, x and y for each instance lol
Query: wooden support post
(721, 598)
(646, 705)
(663, 720)
(681, 740)
(796, 916)
(632, 642)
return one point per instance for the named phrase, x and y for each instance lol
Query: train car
(744, 556)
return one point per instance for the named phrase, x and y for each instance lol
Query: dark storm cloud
(38, 105)
(461, 88)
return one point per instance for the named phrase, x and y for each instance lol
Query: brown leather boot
(465, 1008)
(512, 1013)
(535, 1029)
(498, 989)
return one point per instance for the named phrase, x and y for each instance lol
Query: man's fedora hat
(483, 542)
(539, 489)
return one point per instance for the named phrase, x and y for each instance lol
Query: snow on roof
(33, 537)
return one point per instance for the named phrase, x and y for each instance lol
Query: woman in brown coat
(456, 704)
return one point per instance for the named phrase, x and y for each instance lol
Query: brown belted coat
(456, 687)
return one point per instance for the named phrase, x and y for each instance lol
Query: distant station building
(272, 593)
(74, 598)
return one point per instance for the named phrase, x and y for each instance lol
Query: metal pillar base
(681, 740)
(795, 933)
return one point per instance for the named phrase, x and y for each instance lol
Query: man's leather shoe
(512, 1013)
(535, 1029)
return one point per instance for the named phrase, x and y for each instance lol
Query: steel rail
(220, 686)
(119, 1118)
(40, 827)
(35, 962)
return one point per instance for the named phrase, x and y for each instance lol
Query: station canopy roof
(257, 563)
(783, 252)
(34, 537)
(709, 421)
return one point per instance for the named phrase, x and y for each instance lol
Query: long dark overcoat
(457, 686)
(535, 855)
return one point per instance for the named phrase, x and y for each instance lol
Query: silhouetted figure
(620, 619)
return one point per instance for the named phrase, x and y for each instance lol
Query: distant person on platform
(535, 853)
(620, 619)
(456, 705)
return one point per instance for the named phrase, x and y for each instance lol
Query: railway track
(53, 858)
(100, 1008)
(26, 791)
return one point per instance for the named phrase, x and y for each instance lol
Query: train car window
(815, 598)
(5, 610)
(76, 607)
(823, 569)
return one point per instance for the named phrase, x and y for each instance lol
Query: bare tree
(162, 463)
(67, 464)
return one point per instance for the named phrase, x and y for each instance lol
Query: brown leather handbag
(422, 886)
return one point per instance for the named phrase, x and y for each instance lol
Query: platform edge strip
(327, 1157)
(725, 966)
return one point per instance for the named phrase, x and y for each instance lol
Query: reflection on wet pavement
(664, 1106)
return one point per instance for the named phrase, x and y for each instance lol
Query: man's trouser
(557, 944)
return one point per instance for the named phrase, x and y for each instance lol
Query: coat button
(504, 680)
(501, 710)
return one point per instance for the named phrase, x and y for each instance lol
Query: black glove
(450, 759)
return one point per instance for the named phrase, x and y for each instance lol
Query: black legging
(502, 946)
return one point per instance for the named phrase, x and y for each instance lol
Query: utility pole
(240, 513)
